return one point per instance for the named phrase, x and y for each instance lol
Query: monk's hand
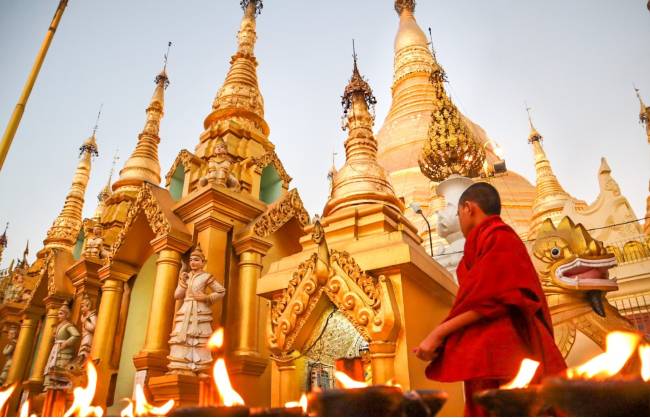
(201, 297)
(429, 347)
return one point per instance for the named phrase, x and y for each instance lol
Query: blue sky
(574, 62)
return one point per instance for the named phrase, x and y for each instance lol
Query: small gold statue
(14, 292)
(220, 167)
(8, 352)
(95, 244)
(66, 337)
(189, 354)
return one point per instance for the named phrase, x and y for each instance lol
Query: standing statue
(95, 244)
(193, 321)
(66, 337)
(14, 292)
(8, 352)
(88, 323)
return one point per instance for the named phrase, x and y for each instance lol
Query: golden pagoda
(46, 286)
(416, 94)
(350, 282)
(550, 197)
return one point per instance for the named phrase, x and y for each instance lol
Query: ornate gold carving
(272, 158)
(184, 158)
(451, 147)
(278, 214)
(367, 302)
(144, 202)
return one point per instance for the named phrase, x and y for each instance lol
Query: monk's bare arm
(427, 350)
(458, 322)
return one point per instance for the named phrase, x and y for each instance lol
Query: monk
(500, 315)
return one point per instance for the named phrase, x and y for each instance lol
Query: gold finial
(433, 49)
(25, 254)
(450, 147)
(3, 237)
(402, 5)
(99, 114)
(645, 111)
(357, 86)
(534, 135)
(106, 191)
(252, 7)
(162, 77)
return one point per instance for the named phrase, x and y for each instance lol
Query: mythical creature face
(569, 258)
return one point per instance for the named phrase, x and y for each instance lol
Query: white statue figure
(8, 351)
(193, 321)
(95, 244)
(448, 225)
(66, 337)
(88, 323)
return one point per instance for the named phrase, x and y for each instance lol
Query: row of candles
(616, 382)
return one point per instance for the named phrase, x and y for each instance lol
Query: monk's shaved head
(485, 196)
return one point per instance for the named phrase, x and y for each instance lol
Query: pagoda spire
(105, 193)
(143, 165)
(239, 97)
(361, 180)
(3, 241)
(65, 228)
(550, 196)
(644, 114)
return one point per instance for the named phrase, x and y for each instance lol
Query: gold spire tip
(162, 77)
(255, 6)
(402, 5)
(534, 135)
(357, 85)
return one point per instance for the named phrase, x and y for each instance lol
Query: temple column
(289, 381)
(23, 352)
(382, 360)
(44, 347)
(113, 278)
(152, 359)
(85, 278)
(243, 331)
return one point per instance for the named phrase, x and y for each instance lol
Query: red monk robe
(498, 281)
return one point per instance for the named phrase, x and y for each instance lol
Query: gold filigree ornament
(280, 213)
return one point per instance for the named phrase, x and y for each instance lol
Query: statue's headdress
(197, 252)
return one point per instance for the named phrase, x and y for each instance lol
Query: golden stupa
(406, 127)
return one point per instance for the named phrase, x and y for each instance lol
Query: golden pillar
(153, 356)
(289, 380)
(23, 353)
(243, 294)
(45, 344)
(382, 360)
(113, 278)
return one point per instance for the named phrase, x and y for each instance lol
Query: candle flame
(216, 340)
(302, 403)
(24, 409)
(619, 348)
(6, 394)
(525, 375)
(141, 407)
(644, 353)
(83, 397)
(347, 382)
(229, 396)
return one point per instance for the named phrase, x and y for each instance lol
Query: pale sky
(573, 61)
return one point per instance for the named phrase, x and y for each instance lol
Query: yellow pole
(17, 115)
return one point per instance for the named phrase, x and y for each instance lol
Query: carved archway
(367, 302)
(271, 158)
